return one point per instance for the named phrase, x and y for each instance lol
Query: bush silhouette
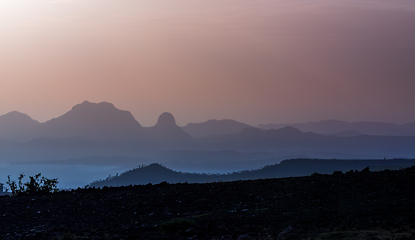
(35, 185)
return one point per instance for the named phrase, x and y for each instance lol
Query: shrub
(36, 184)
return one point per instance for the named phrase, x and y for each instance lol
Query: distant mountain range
(293, 140)
(156, 173)
(100, 129)
(343, 128)
(215, 127)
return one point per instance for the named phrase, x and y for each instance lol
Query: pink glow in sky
(256, 61)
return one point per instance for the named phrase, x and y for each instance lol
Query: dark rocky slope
(355, 205)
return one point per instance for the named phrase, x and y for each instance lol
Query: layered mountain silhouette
(167, 134)
(97, 121)
(335, 127)
(156, 173)
(101, 129)
(294, 140)
(15, 125)
(215, 127)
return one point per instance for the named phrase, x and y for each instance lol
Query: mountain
(97, 121)
(167, 134)
(333, 127)
(15, 125)
(214, 127)
(293, 140)
(102, 129)
(156, 173)
(255, 138)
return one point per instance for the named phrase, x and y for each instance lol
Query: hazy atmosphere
(258, 62)
(207, 119)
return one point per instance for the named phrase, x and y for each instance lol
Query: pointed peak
(166, 119)
(84, 104)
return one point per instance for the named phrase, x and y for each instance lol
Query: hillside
(356, 205)
(15, 125)
(156, 173)
(215, 127)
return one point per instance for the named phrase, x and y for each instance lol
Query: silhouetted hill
(155, 173)
(214, 127)
(167, 134)
(14, 125)
(98, 121)
(334, 126)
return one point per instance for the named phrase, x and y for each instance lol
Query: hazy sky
(256, 61)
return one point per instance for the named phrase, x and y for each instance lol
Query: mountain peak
(15, 125)
(167, 133)
(89, 105)
(166, 119)
(100, 121)
(16, 116)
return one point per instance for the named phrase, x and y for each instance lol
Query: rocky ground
(354, 205)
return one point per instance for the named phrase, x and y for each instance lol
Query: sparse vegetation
(36, 184)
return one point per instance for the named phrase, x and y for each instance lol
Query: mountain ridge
(332, 127)
(117, 132)
(214, 127)
(156, 173)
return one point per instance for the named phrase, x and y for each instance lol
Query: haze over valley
(94, 140)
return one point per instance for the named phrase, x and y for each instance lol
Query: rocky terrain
(353, 205)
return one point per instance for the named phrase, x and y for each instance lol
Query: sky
(262, 61)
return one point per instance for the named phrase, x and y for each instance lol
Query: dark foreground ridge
(353, 205)
(156, 173)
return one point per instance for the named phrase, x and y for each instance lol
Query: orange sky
(257, 61)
